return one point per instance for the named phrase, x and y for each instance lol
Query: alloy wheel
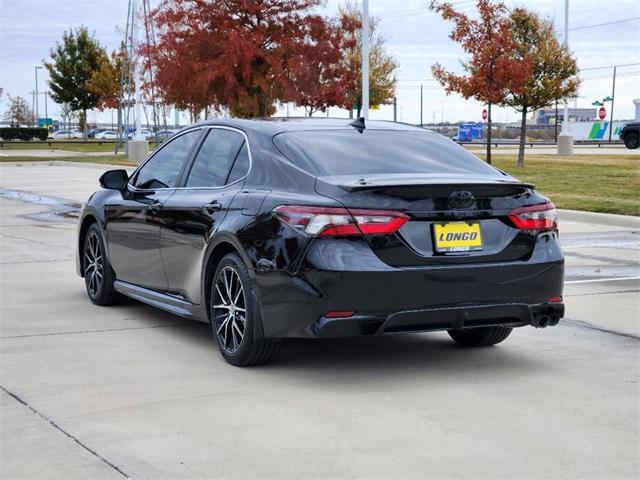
(93, 265)
(229, 309)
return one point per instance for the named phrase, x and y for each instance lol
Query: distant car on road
(106, 135)
(630, 135)
(62, 134)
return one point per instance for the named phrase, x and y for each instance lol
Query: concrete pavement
(129, 391)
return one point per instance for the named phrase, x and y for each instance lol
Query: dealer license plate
(457, 236)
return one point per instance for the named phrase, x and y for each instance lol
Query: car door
(133, 219)
(195, 211)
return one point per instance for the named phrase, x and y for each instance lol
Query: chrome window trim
(204, 127)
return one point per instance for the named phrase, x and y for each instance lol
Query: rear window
(346, 152)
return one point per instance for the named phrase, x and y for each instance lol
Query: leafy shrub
(13, 133)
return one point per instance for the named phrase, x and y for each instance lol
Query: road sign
(45, 122)
(485, 114)
(602, 113)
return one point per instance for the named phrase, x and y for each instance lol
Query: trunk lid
(437, 204)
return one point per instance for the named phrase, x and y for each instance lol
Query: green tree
(105, 81)
(19, 112)
(73, 63)
(554, 70)
(382, 66)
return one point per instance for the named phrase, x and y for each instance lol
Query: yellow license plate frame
(457, 237)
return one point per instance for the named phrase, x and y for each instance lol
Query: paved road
(129, 391)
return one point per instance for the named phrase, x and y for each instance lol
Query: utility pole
(36, 109)
(613, 96)
(365, 59)
(565, 140)
(555, 121)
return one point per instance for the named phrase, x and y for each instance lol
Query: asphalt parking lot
(129, 391)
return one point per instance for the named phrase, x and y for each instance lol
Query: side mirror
(114, 179)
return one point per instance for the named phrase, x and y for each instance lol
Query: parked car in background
(95, 131)
(164, 134)
(148, 134)
(323, 228)
(630, 135)
(106, 135)
(62, 134)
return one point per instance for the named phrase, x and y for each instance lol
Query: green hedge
(13, 133)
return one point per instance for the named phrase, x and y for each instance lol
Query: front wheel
(98, 275)
(632, 140)
(234, 316)
(480, 337)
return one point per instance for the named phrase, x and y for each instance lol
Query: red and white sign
(602, 113)
(485, 114)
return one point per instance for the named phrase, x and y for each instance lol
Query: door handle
(212, 207)
(155, 207)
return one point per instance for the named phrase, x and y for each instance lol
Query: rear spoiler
(352, 183)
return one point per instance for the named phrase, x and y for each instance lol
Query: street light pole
(365, 59)
(565, 140)
(138, 146)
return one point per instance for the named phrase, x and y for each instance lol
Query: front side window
(216, 159)
(163, 169)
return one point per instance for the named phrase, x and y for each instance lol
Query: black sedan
(270, 229)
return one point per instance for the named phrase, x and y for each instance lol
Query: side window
(215, 159)
(162, 170)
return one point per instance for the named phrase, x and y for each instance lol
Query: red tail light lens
(535, 217)
(335, 221)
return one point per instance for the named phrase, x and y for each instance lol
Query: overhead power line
(624, 20)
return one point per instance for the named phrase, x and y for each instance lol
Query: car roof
(274, 126)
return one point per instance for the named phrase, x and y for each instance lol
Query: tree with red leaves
(243, 55)
(493, 70)
(326, 80)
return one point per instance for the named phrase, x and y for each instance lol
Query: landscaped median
(597, 183)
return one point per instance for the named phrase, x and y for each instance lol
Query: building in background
(547, 116)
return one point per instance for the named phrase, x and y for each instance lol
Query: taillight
(535, 217)
(333, 221)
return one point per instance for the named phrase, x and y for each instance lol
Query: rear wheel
(98, 275)
(480, 337)
(632, 140)
(234, 313)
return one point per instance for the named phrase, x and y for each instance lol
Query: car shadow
(387, 354)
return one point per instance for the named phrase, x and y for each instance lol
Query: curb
(624, 221)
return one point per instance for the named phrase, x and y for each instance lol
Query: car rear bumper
(442, 318)
(387, 299)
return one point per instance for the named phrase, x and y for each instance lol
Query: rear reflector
(340, 314)
(555, 300)
(535, 217)
(336, 221)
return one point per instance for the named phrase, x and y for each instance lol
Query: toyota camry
(269, 229)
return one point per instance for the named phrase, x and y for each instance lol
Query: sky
(416, 37)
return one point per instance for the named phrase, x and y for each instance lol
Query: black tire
(98, 274)
(632, 140)
(480, 337)
(235, 316)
